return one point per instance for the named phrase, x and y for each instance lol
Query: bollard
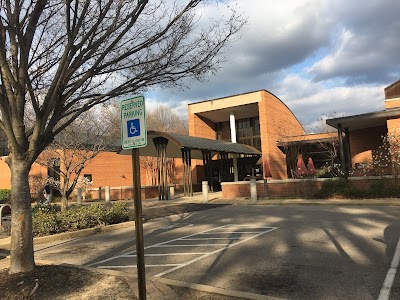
(79, 196)
(253, 190)
(204, 185)
(171, 191)
(107, 194)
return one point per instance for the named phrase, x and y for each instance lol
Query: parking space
(290, 252)
(171, 255)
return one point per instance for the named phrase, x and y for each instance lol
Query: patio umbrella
(301, 168)
(311, 168)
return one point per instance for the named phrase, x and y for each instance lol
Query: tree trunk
(64, 203)
(21, 253)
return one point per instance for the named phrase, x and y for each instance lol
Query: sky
(322, 58)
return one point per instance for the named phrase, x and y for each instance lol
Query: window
(88, 177)
(247, 132)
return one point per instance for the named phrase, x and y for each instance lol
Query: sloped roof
(196, 144)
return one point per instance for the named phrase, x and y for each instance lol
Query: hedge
(5, 196)
(49, 219)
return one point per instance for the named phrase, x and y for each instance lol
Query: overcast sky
(317, 56)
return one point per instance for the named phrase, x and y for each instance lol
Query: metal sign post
(134, 136)
(138, 224)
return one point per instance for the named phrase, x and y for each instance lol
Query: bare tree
(163, 118)
(59, 59)
(72, 149)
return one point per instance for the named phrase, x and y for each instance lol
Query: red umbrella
(266, 169)
(311, 168)
(301, 168)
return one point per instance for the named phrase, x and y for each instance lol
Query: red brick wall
(364, 141)
(200, 127)
(291, 188)
(392, 103)
(124, 193)
(276, 120)
(112, 169)
(276, 188)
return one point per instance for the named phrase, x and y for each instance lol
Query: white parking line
(387, 284)
(131, 252)
(194, 245)
(220, 232)
(213, 252)
(174, 243)
(206, 239)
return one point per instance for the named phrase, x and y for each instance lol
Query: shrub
(5, 196)
(116, 214)
(338, 188)
(44, 223)
(49, 219)
(342, 188)
(46, 208)
(384, 189)
(83, 217)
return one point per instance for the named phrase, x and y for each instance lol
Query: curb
(328, 202)
(73, 234)
(215, 290)
(195, 286)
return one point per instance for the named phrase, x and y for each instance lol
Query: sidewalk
(216, 198)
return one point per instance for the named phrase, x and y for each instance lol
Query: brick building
(258, 119)
(360, 136)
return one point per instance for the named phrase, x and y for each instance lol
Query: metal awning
(373, 119)
(195, 144)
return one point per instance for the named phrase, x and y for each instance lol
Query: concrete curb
(215, 290)
(327, 202)
(73, 234)
(196, 286)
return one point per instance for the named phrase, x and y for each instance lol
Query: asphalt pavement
(271, 249)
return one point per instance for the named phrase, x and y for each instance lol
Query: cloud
(316, 56)
(366, 48)
(310, 101)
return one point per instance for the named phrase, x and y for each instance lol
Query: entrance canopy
(165, 145)
(195, 144)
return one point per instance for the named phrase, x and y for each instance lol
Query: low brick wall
(124, 192)
(290, 188)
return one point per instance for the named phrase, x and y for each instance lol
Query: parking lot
(172, 255)
(289, 252)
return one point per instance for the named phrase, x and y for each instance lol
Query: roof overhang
(374, 119)
(307, 139)
(179, 142)
(223, 114)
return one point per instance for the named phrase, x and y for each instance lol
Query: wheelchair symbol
(133, 127)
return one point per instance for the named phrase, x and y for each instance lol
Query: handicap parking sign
(133, 123)
(133, 127)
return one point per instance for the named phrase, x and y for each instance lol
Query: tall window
(223, 131)
(247, 132)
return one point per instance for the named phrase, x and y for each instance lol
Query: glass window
(88, 177)
(247, 132)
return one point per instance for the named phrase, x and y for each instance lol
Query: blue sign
(133, 127)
